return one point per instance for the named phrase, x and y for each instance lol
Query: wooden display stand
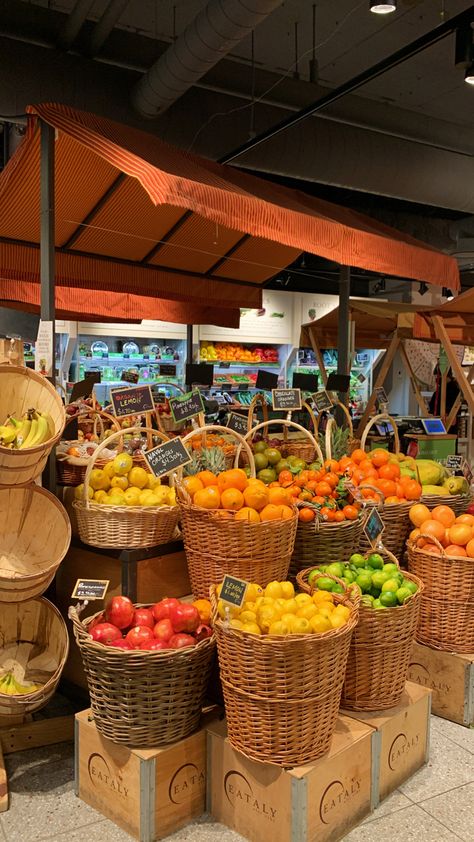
(149, 793)
(320, 802)
(450, 677)
(402, 740)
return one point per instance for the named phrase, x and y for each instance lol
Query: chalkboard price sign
(130, 376)
(233, 591)
(90, 589)
(238, 423)
(167, 370)
(187, 406)
(381, 396)
(287, 399)
(374, 526)
(454, 462)
(167, 457)
(133, 401)
(84, 388)
(322, 400)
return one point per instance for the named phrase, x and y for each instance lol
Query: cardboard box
(402, 740)
(149, 793)
(450, 677)
(317, 803)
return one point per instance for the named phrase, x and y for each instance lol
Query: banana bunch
(9, 686)
(33, 429)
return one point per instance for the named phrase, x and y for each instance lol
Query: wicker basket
(447, 606)
(123, 527)
(35, 533)
(216, 545)
(352, 443)
(320, 542)
(20, 390)
(457, 502)
(282, 694)
(71, 470)
(144, 698)
(304, 446)
(36, 643)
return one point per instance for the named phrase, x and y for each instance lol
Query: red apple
(138, 635)
(163, 630)
(161, 610)
(143, 617)
(470, 509)
(179, 641)
(105, 633)
(119, 611)
(202, 632)
(154, 645)
(185, 617)
(121, 644)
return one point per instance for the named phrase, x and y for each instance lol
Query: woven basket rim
(449, 558)
(216, 514)
(134, 511)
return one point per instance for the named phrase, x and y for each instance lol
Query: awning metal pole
(189, 349)
(47, 256)
(343, 347)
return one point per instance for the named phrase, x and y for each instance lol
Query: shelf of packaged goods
(128, 360)
(235, 363)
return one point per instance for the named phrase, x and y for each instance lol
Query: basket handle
(312, 417)
(258, 398)
(383, 416)
(105, 444)
(437, 543)
(351, 594)
(99, 413)
(285, 423)
(331, 424)
(346, 413)
(207, 428)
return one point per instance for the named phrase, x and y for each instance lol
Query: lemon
(132, 496)
(248, 617)
(79, 492)
(301, 626)
(152, 482)
(266, 615)
(343, 611)
(391, 585)
(250, 606)
(162, 494)
(138, 477)
(302, 599)
(265, 600)
(253, 591)
(274, 590)
(99, 480)
(325, 612)
(172, 497)
(320, 624)
(337, 620)
(119, 482)
(288, 619)
(307, 611)
(122, 464)
(322, 598)
(109, 469)
(287, 589)
(280, 605)
(117, 492)
(236, 624)
(252, 628)
(147, 498)
(224, 610)
(100, 496)
(115, 499)
(279, 627)
(291, 606)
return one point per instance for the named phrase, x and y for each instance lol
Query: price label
(287, 399)
(186, 407)
(265, 380)
(167, 457)
(224, 365)
(130, 376)
(322, 400)
(84, 388)
(381, 396)
(90, 589)
(167, 370)
(238, 423)
(374, 526)
(233, 591)
(133, 401)
(455, 462)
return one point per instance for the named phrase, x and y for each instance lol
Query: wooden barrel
(22, 389)
(34, 648)
(35, 533)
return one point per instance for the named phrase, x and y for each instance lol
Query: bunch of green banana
(33, 429)
(9, 686)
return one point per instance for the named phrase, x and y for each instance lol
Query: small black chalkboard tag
(287, 399)
(167, 370)
(338, 382)
(266, 380)
(187, 406)
(322, 400)
(84, 388)
(381, 396)
(167, 457)
(238, 423)
(90, 589)
(374, 526)
(133, 401)
(233, 591)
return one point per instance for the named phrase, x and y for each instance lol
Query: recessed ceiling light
(383, 8)
(469, 74)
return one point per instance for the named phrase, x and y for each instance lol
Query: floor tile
(449, 766)
(406, 825)
(456, 733)
(206, 830)
(100, 831)
(454, 809)
(396, 801)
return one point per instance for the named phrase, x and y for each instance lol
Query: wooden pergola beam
(456, 366)
(384, 369)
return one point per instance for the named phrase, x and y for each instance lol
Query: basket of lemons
(123, 505)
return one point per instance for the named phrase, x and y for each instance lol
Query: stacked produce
(209, 454)
(454, 533)
(31, 430)
(121, 483)
(435, 478)
(232, 494)
(381, 584)
(230, 352)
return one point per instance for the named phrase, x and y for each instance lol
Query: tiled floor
(436, 805)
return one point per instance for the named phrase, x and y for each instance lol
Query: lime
(261, 461)
(412, 586)
(267, 475)
(368, 601)
(260, 447)
(379, 578)
(349, 576)
(403, 594)
(357, 560)
(335, 569)
(375, 561)
(337, 588)
(388, 599)
(315, 574)
(390, 568)
(324, 567)
(375, 592)
(378, 605)
(273, 455)
(324, 584)
(390, 585)
(282, 465)
(364, 580)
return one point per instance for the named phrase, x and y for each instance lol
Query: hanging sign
(90, 589)
(381, 396)
(338, 382)
(167, 370)
(374, 526)
(266, 380)
(187, 406)
(305, 382)
(238, 423)
(133, 401)
(233, 591)
(167, 457)
(287, 399)
(44, 350)
(130, 376)
(322, 400)
(84, 388)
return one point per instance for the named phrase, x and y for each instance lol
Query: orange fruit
(306, 515)
(323, 489)
(379, 457)
(419, 513)
(432, 549)
(454, 549)
(470, 548)
(207, 478)
(331, 464)
(358, 455)
(285, 478)
(192, 484)
(248, 514)
(433, 529)
(413, 490)
(388, 487)
(414, 534)
(469, 519)
(273, 512)
(389, 471)
(232, 499)
(339, 517)
(350, 512)
(233, 478)
(460, 533)
(207, 498)
(256, 496)
(392, 499)
(286, 513)
(404, 480)
(445, 515)
(278, 496)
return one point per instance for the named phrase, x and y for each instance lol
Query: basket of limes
(388, 617)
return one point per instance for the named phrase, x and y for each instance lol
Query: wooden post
(384, 368)
(3, 784)
(456, 366)
(457, 403)
(319, 357)
(442, 403)
(419, 397)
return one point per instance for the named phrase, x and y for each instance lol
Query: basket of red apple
(147, 668)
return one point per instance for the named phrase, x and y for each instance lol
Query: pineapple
(195, 465)
(213, 459)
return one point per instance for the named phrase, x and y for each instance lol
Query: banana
(9, 686)
(7, 435)
(42, 431)
(12, 422)
(27, 442)
(23, 432)
(50, 423)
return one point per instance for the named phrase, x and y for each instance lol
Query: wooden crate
(450, 677)
(402, 740)
(149, 793)
(317, 803)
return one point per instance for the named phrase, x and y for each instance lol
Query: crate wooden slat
(451, 678)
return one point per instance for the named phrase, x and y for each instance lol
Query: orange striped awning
(458, 319)
(137, 216)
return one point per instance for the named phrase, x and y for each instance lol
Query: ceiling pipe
(104, 26)
(73, 24)
(219, 27)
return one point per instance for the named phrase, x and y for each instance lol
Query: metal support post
(47, 256)
(343, 347)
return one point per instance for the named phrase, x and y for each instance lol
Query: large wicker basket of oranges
(232, 524)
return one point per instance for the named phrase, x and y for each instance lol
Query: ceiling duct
(219, 27)
(74, 22)
(104, 26)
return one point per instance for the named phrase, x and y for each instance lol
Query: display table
(431, 447)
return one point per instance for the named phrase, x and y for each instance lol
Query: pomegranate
(138, 635)
(119, 611)
(161, 610)
(105, 633)
(179, 641)
(154, 645)
(143, 617)
(163, 630)
(185, 617)
(121, 644)
(202, 632)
